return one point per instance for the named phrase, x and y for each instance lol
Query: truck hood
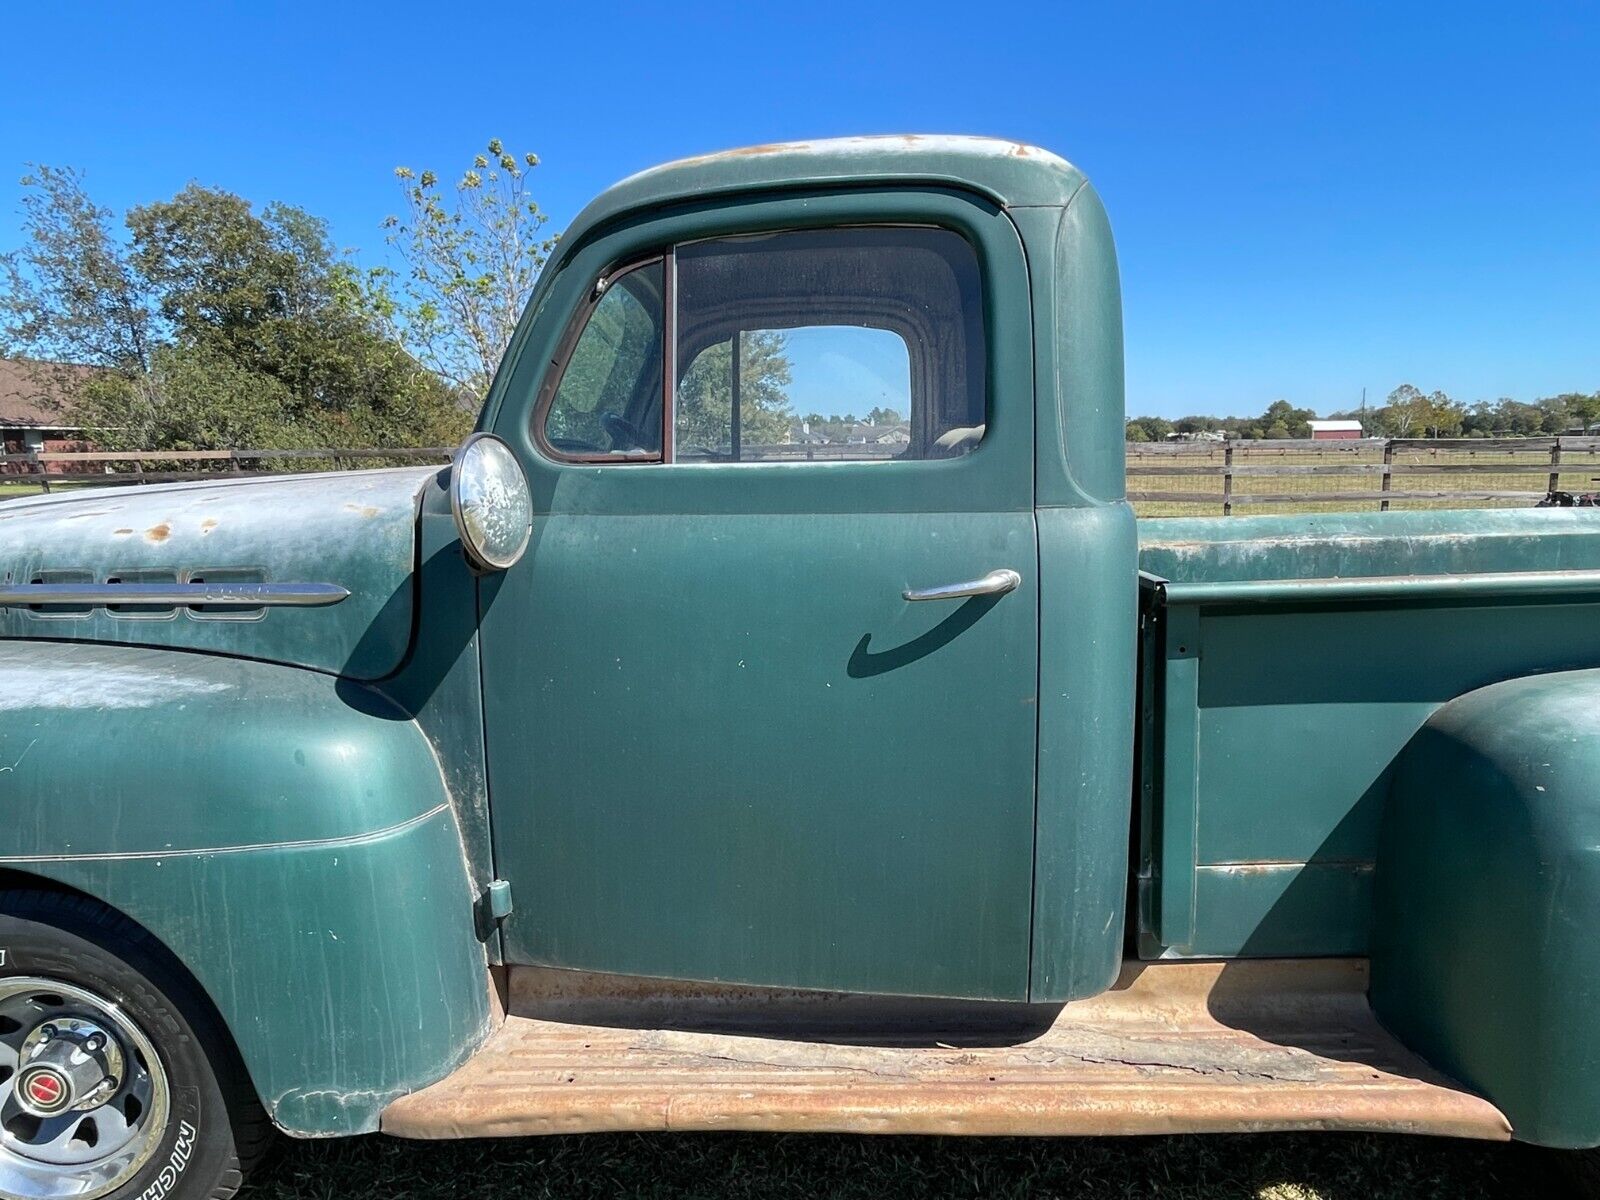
(357, 529)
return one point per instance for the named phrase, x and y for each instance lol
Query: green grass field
(11, 491)
(792, 1167)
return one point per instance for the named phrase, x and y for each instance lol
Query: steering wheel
(624, 434)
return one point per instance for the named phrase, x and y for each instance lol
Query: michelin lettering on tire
(182, 1149)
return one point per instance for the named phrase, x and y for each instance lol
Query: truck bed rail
(1483, 584)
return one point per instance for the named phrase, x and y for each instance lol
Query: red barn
(1334, 431)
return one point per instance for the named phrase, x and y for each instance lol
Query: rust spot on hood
(366, 510)
(158, 533)
(208, 525)
(124, 532)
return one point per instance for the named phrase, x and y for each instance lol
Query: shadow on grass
(825, 1167)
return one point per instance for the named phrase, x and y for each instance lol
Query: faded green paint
(1300, 657)
(1085, 773)
(1087, 563)
(285, 833)
(1370, 545)
(356, 529)
(633, 820)
(1081, 412)
(1484, 957)
(440, 684)
(722, 744)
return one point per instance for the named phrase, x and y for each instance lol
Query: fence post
(41, 469)
(1227, 479)
(1555, 465)
(1388, 466)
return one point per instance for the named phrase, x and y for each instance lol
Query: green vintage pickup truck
(675, 760)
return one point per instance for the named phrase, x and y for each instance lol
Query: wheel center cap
(44, 1091)
(67, 1063)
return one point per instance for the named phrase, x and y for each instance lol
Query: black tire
(216, 1128)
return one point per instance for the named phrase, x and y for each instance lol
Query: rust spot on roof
(158, 533)
(764, 148)
(366, 510)
(740, 152)
(208, 525)
(121, 532)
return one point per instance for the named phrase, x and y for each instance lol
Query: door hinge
(497, 899)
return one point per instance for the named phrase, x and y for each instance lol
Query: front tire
(115, 1081)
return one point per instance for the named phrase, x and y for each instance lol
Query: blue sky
(1309, 199)
(862, 369)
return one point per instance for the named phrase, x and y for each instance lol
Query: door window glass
(804, 346)
(608, 402)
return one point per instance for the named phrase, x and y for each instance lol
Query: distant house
(877, 435)
(1198, 435)
(34, 399)
(1335, 431)
(803, 435)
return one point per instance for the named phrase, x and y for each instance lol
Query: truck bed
(1171, 1048)
(1286, 661)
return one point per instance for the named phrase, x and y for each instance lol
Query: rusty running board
(1171, 1048)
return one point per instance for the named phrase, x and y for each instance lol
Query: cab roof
(1011, 174)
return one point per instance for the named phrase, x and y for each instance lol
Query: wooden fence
(1368, 471)
(79, 468)
(1162, 476)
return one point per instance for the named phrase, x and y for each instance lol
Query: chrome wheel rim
(84, 1100)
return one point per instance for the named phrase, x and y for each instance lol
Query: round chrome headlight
(489, 497)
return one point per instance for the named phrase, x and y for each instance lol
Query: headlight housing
(491, 503)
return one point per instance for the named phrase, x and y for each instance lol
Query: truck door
(761, 695)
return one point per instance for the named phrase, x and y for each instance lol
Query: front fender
(1485, 958)
(287, 835)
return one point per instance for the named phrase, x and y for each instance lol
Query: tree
(472, 258)
(1284, 420)
(269, 293)
(207, 306)
(69, 294)
(175, 405)
(705, 396)
(1583, 410)
(1149, 429)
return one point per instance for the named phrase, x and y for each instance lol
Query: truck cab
(776, 719)
(755, 718)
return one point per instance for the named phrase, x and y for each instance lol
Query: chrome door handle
(995, 583)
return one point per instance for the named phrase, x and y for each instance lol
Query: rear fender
(1485, 958)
